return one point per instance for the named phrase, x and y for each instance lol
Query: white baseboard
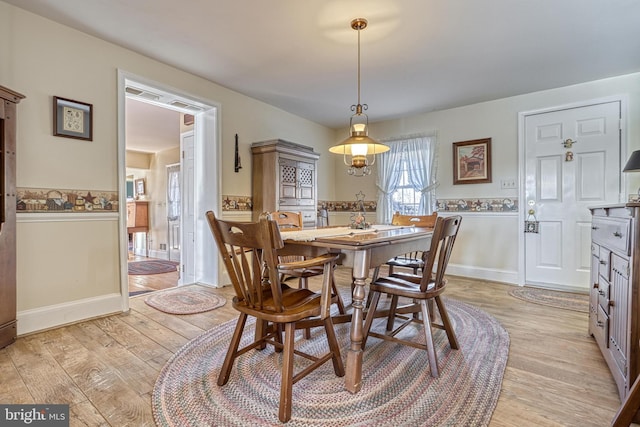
(158, 254)
(502, 276)
(39, 319)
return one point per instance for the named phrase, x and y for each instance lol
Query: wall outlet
(507, 184)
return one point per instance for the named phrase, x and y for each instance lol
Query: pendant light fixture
(359, 150)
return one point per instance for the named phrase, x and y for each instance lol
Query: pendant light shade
(358, 150)
(633, 164)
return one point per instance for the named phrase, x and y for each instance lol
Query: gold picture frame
(72, 119)
(472, 161)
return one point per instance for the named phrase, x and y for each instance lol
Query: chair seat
(394, 285)
(297, 304)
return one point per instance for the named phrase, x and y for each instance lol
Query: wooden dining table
(361, 250)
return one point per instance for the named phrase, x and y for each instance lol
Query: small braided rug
(188, 299)
(156, 266)
(397, 390)
(558, 299)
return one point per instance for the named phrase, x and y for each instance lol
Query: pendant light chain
(358, 65)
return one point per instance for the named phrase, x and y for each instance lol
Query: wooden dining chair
(249, 252)
(421, 289)
(288, 221)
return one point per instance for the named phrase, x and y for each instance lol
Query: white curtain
(420, 155)
(173, 192)
(387, 181)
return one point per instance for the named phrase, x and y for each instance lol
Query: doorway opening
(158, 184)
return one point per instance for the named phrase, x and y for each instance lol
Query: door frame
(208, 174)
(522, 211)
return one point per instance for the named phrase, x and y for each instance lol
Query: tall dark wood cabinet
(9, 100)
(285, 179)
(614, 316)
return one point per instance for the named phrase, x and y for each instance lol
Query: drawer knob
(603, 262)
(617, 234)
(600, 324)
(595, 227)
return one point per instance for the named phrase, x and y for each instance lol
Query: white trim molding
(491, 274)
(52, 316)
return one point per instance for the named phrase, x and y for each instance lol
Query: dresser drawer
(600, 328)
(612, 232)
(603, 295)
(309, 217)
(604, 261)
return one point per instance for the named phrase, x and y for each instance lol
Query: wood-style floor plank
(13, 389)
(115, 392)
(106, 368)
(43, 376)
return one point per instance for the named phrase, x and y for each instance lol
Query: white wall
(71, 261)
(487, 246)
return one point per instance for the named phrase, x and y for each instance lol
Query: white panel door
(174, 211)
(187, 253)
(561, 181)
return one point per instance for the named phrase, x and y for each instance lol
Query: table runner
(311, 234)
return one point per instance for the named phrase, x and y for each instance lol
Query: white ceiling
(150, 128)
(417, 55)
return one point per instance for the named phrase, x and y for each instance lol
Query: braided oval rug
(558, 299)
(189, 299)
(397, 390)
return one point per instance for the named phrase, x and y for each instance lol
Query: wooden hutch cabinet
(614, 308)
(8, 303)
(285, 179)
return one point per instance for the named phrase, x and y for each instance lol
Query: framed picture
(72, 119)
(472, 161)
(140, 188)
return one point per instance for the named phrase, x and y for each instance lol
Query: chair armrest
(306, 263)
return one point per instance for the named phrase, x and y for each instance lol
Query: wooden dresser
(137, 217)
(138, 220)
(614, 308)
(8, 303)
(284, 179)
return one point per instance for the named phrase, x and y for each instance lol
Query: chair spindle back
(249, 253)
(417, 220)
(444, 236)
(287, 220)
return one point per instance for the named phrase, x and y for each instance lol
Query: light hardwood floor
(106, 368)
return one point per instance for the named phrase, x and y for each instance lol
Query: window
(406, 199)
(406, 178)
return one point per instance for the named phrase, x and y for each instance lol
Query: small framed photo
(472, 161)
(140, 187)
(72, 119)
